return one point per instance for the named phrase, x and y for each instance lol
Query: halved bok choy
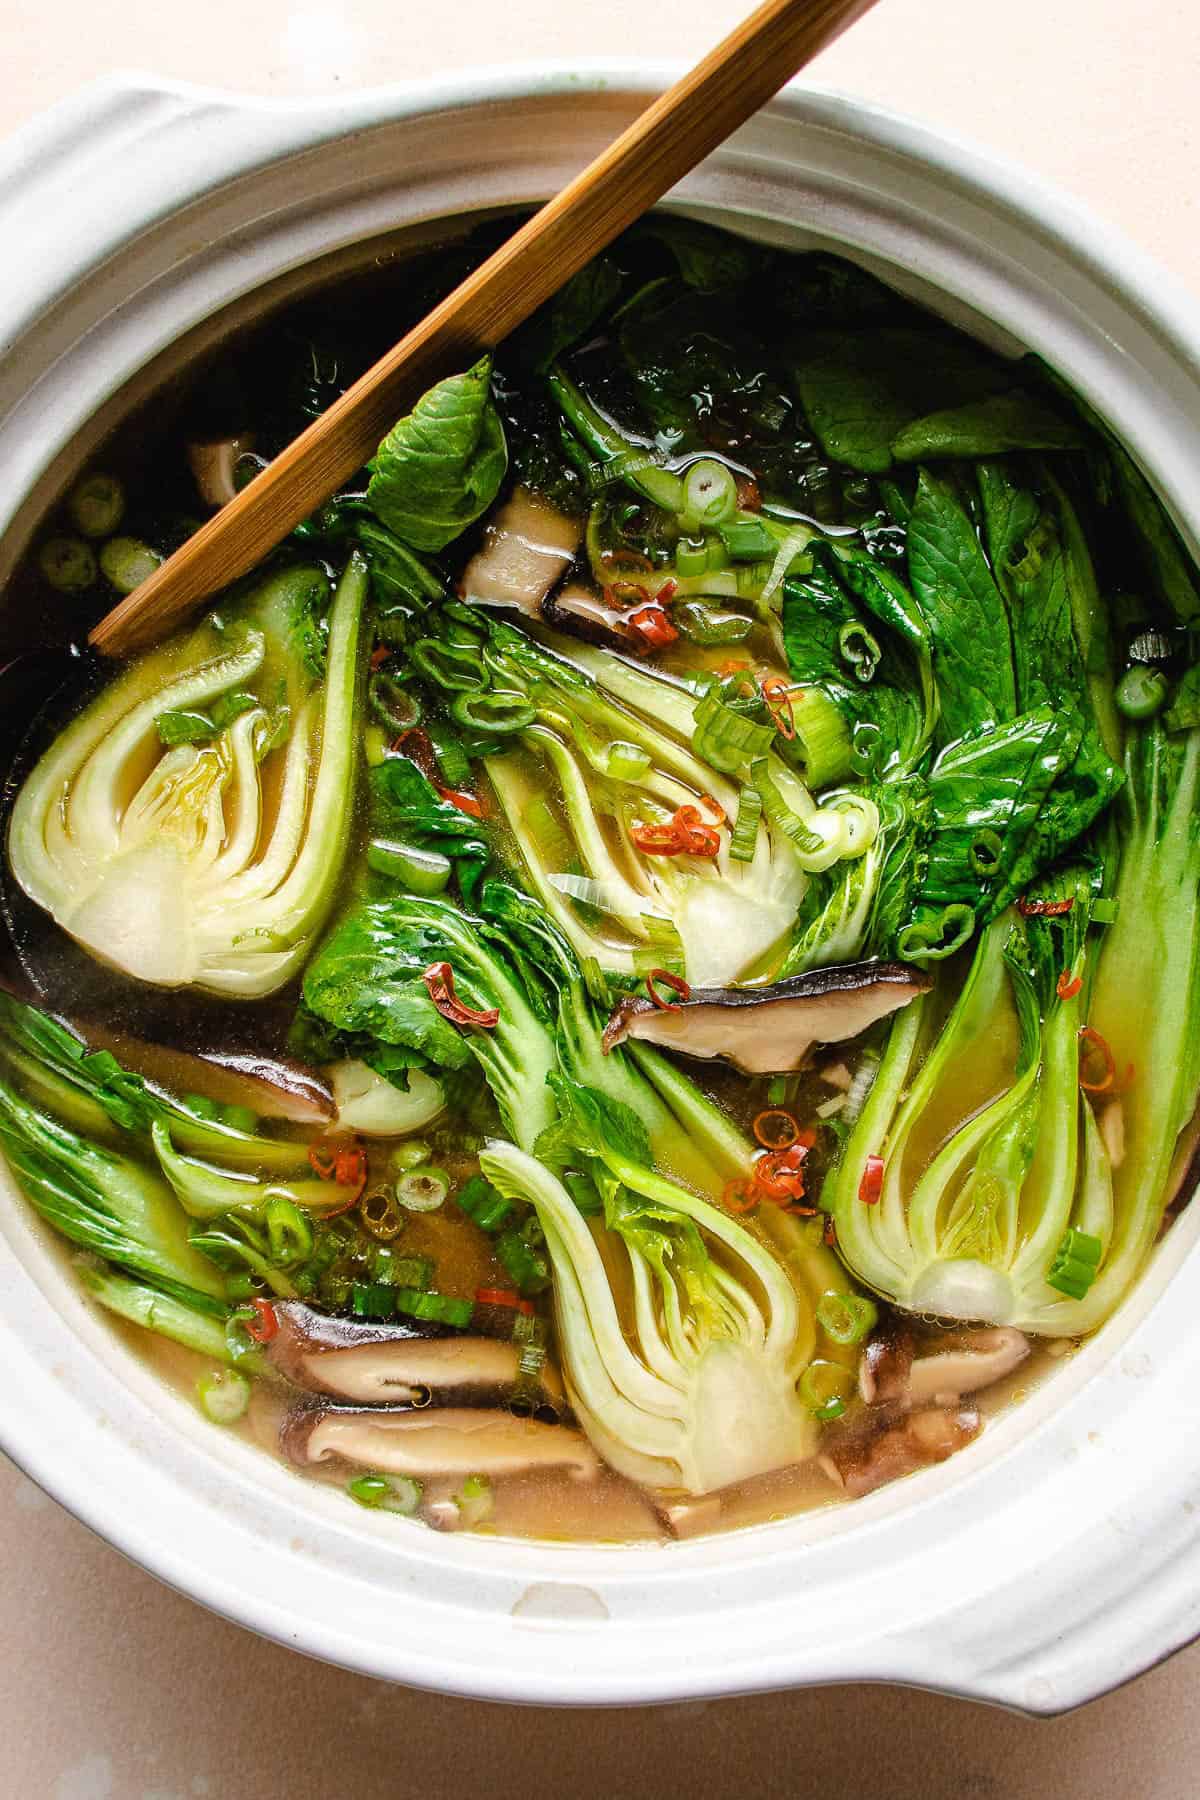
(190, 825)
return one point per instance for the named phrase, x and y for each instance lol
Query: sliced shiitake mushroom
(768, 1030)
(527, 547)
(865, 1457)
(451, 1441)
(408, 1363)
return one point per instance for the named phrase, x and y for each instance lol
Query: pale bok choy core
(616, 746)
(702, 1392)
(1020, 1218)
(190, 825)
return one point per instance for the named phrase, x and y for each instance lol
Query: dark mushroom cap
(404, 1364)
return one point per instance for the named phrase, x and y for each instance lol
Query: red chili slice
(740, 1195)
(695, 837)
(651, 625)
(350, 1167)
(673, 981)
(503, 1297)
(379, 655)
(780, 1174)
(622, 558)
(871, 1185)
(1068, 985)
(466, 803)
(1092, 1041)
(731, 666)
(1044, 909)
(667, 591)
(748, 496)
(439, 983)
(263, 1327)
(657, 839)
(776, 1129)
(620, 594)
(777, 695)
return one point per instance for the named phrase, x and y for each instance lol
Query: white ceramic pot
(1054, 1558)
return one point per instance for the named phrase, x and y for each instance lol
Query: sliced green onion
(387, 1493)
(704, 625)
(1142, 692)
(289, 1232)
(224, 1396)
(414, 1272)
(1076, 1263)
(380, 1214)
(420, 871)
(520, 1251)
(626, 762)
(499, 714)
(456, 667)
(825, 1388)
(985, 853)
(376, 744)
(727, 739)
(749, 540)
(1104, 911)
(68, 564)
(372, 1300)
(777, 1090)
(780, 815)
(126, 562)
(184, 728)
(823, 736)
(442, 1309)
(409, 1156)
(475, 1502)
(396, 709)
(452, 758)
(97, 504)
(846, 1318)
(691, 557)
(709, 494)
(745, 829)
(934, 938)
(859, 649)
(423, 1189)
(484, 1205)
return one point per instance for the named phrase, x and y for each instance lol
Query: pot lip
(1165, 307)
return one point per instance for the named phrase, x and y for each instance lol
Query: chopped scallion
(1076, 1263)
(224, 1396)
(846, 1318)
(745, 830)
(386, 1493)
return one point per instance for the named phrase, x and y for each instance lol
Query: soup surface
(641, 974)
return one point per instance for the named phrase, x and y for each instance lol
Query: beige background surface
(112, 1688)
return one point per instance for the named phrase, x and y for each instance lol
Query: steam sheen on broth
(640, 975)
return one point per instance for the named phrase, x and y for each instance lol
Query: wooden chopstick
(674, 134)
